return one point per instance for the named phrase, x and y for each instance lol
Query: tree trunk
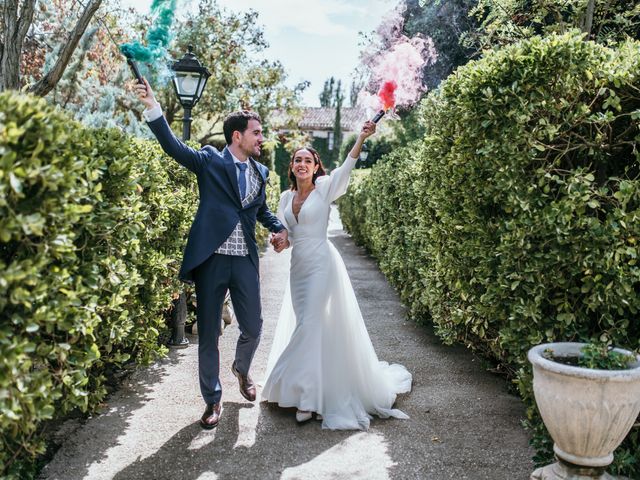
(588, 17)
(51, 79)
(15, 29)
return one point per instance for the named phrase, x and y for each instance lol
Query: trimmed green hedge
(516, 219)
(273, 200)
(92, 228)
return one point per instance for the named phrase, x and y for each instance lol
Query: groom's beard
(251, 152)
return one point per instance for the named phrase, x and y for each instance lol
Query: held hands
(280, 240)
(145, 94)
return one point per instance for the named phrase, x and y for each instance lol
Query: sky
(313, 39)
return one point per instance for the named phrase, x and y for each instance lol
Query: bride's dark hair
(316, 158)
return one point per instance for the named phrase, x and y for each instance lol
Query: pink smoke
(397, 59)
(390, 28)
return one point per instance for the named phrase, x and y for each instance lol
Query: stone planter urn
(587, 412)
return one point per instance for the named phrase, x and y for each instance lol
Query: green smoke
(155, 54)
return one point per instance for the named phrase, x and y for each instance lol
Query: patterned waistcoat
(236, 244)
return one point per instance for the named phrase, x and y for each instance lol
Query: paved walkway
(464, 424)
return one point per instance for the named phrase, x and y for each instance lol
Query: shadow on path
(92, 438)
(192, 453)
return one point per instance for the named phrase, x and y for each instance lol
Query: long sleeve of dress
(284, 198)
(335, 185)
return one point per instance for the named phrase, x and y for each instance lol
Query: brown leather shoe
(247, 387)
(211, 416)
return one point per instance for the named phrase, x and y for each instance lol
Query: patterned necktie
(242, 181)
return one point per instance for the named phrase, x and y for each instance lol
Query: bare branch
(51, 79)
(206, 139)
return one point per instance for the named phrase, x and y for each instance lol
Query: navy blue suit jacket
(220, 208)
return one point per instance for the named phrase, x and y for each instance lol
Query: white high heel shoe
(303, 416)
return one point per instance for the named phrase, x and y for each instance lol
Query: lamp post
(362, 158)
(189, 80)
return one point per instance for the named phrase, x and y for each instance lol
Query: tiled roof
(322, 118)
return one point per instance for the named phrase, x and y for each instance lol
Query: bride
(322, 360)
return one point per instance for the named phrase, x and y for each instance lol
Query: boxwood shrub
(92, 227)
(515, 220)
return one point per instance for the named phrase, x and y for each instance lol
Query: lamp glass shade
(188, 84)
(189, 79)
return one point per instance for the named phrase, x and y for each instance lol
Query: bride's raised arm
(338, 179)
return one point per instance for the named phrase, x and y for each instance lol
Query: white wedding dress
(322, 359)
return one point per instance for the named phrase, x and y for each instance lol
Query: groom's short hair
(238, 121)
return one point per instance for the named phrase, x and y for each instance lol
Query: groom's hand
(280, 240)
(145, 94)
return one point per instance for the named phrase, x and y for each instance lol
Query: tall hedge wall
(516, 219)
(92, 227)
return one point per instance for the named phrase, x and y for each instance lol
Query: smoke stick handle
(134, 69)
(378, 116)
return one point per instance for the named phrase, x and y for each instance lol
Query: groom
(221, 251)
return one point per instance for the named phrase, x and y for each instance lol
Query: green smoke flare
(158, 37)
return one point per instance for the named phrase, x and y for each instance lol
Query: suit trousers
(213, 278)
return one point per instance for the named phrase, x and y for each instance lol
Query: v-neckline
(301, 206)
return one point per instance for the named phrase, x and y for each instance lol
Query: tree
(229, 43)
(446, 22)
(17, 19)
(92, 86)
(337, 127)
(327, 96)
(356, 86)
(502, 22)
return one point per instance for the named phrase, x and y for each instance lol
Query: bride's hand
(274, 240)
(368, 129)
(284, 244)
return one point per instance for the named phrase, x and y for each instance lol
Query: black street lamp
(362, 158)
(189, 80)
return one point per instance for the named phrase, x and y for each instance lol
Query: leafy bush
(92, 227)
(515, 220)
(504, 22)
(273, 200)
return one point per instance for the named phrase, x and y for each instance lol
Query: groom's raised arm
(183, 154)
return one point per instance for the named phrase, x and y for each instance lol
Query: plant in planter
(589, 398)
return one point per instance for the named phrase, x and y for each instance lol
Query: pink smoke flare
(387, 94)
(397, 59)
